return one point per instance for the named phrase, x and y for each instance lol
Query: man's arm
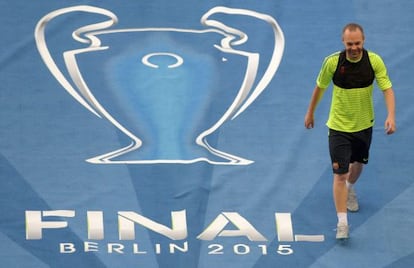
(390, 104)
(316, 97)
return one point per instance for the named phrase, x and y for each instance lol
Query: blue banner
(170, 134)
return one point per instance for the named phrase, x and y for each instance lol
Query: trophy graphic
(166, 89)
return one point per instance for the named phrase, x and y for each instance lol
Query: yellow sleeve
(327, 71)
(380, 70)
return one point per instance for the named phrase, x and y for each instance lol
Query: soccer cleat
(352, 202)
(342, 232)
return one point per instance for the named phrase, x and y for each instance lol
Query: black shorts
(346, 148)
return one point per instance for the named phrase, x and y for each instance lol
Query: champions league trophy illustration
(166, 89)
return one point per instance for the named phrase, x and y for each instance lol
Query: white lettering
(118, 248)
(127, 221)
(284, 227)
(136, 249)
(115, 247)
(263, 248)
(173, 247)
(90, 247)
(67, 248)
(244, 228)
(157, 249)
(241, 249)
(35, 224)
(95, 225)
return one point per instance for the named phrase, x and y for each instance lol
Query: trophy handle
(237, 37)
(80, 35)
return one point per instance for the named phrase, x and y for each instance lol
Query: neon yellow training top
(352, 107)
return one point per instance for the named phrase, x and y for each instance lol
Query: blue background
(45, 137)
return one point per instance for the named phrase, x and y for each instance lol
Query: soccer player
(351, 115)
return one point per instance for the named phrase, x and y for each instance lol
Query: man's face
(354, 43)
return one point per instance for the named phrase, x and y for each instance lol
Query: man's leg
(340, 194)
(355, 170)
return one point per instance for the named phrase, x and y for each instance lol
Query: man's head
(353, 39)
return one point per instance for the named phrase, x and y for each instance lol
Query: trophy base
(133, 154)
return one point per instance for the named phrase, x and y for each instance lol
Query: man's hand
(309, 121)
(390, 126)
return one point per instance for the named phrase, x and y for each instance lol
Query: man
(351, 116)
